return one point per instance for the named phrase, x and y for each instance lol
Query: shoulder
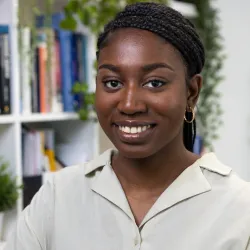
(229, 197)
(224, 180)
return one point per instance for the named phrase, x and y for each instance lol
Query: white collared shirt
(84, 208)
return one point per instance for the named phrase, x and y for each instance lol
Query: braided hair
(175, 29)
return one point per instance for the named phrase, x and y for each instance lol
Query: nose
(132, 100)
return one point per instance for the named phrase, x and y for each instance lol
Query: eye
(113, 84)
(154, 84)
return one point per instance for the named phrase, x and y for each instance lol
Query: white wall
(233, 147)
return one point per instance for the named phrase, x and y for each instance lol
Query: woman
(153, 192)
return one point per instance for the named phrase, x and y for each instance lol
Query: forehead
(130, 45)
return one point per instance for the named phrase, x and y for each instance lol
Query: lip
(134, 123)
(134, 139)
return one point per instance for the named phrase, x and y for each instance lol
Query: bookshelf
(85, 136)
(48, 117)
(82, 136)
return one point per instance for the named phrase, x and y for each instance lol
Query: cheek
(171, 104)
(104, 102)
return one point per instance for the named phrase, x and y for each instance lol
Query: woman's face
(141, 93)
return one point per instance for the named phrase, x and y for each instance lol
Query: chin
(135, 151)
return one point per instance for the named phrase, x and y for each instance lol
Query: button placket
(137, 238)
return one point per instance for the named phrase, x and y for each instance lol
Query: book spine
(75, 68)
(58, 77)
(55, 98)
(5, 61)
(65, 51)
(85, 58)
(35, 84)
(42, 64)
(25, 71)
(50, 64)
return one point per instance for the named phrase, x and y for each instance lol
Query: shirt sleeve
(32, 230)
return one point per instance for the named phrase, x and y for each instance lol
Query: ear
(194, 87)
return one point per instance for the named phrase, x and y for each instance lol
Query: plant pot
(1, 225)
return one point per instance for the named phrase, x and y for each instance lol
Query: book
(198, 145)
(5, 71)
(48, 74)
(65, 40)
(38, 151)
(25, 70)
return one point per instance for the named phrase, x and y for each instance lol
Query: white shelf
(48, 117)
(33, 118)
(7, 119)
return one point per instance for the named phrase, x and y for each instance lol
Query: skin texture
(142, 79)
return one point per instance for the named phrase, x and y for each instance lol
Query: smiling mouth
(134, 133)
(135, 130)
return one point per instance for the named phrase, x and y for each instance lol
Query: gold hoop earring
(193, 115)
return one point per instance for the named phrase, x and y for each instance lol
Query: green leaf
(69, 24)
(73, 5)
(36, 11)
(89, 99)
(8, 188)
(84, 114)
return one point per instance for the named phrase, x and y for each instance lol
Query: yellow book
(51, 156)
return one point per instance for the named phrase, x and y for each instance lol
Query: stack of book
(38, 158)
(51, 62)
(38, 151)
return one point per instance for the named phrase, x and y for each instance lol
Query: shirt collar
(191, 182)
(98, 162)
(208, 161)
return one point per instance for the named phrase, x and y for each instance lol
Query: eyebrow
(145, 68)
(110, 67)
(153, 66)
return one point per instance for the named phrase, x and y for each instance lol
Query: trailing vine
(209, 109)
(94, 13)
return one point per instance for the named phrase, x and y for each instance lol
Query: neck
(155, 172)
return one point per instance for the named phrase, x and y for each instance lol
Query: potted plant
(8, 191)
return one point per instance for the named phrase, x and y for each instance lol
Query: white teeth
(134, 130)
(126, 129)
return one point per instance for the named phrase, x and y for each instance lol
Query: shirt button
(136, 241)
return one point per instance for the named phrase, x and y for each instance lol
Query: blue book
(4, 29)
(65, 40)
(75, 66)
(198, 145)
(79, 64)
(85, 58)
